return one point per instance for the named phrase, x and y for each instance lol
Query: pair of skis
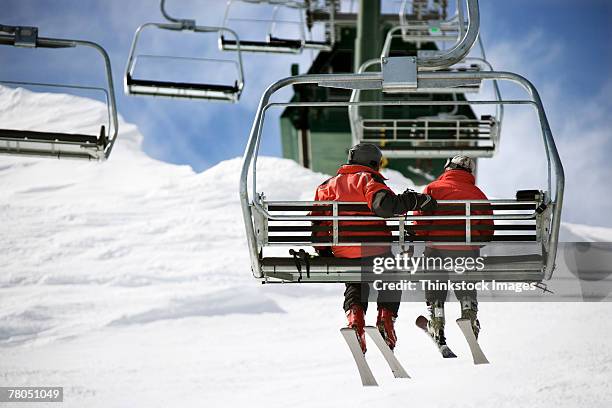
(465, 325)
(367, 378)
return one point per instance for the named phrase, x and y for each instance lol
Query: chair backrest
(518, 222)
(283, 223)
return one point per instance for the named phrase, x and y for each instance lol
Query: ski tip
(347, 329)
(447, 352)
(421, 322)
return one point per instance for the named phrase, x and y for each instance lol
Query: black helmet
(366, 154)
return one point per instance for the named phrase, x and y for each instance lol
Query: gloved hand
(414, 201)
(425, 202)
(325, 252)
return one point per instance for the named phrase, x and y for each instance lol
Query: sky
(562, 46)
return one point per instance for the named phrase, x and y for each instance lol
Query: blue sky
(563, 46)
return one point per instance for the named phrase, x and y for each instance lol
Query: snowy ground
(128, 284)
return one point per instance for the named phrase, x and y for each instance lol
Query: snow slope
(128, 283)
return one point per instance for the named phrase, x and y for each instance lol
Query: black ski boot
(435, 328)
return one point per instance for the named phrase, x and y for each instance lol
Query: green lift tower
(319, 138)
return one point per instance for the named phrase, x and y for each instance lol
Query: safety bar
(261, 208)
(230, 93)
(187, 24)
(374, 81)
(27, 37)
(434, 60)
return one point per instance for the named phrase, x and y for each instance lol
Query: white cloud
(581, 127)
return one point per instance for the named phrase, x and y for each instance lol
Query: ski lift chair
(272, 43)
(58, 144)
(419, 30)
(210, 91)
(441, 136)
(531, 218)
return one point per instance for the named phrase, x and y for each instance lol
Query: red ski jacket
(353, 183)
(455, 185)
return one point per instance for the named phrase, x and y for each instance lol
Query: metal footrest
(512, 268)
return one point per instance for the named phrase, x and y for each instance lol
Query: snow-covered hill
(128, 283)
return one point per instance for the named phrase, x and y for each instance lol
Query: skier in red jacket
(456, 183)
(360, 181)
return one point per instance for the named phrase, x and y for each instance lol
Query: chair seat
(273, 44)
(33, 136)
(181, 85)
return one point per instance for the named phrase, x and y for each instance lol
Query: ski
(466, 328)
(367, 378)
(394, 364)
(446, 352)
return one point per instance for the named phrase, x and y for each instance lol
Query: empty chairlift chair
(182, 89)
(532, 218)
(440, 136)
(418, 27)
(57, 144)
(274, 43)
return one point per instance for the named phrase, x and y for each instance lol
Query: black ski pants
(439, 296)
(358, 293)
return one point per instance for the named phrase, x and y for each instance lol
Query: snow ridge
(121, 277)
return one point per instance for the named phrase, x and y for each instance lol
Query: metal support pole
(368, 38)
(368, 43)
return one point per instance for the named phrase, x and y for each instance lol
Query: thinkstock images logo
(582, 273)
